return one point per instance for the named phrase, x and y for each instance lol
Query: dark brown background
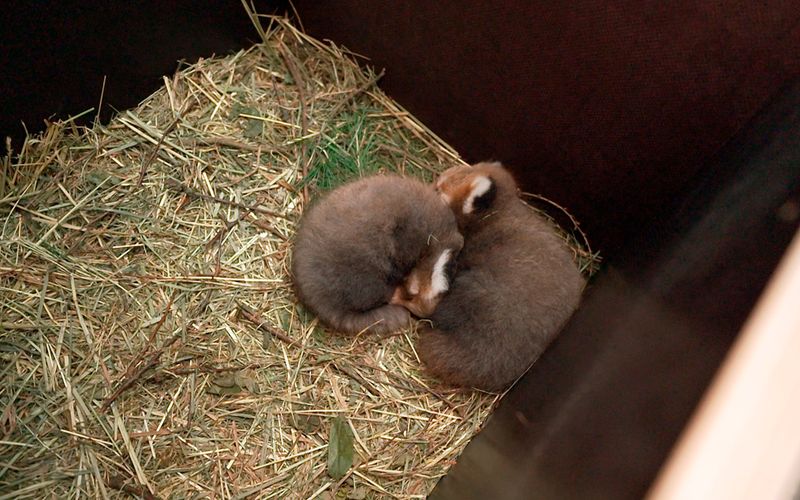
(609, 107)
(54, 55)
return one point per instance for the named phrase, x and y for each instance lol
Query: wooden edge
(744, 440)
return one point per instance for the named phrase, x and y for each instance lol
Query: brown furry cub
(515, 285)
(356, 244)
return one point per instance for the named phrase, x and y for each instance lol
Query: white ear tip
(439, 283)
(479, 187)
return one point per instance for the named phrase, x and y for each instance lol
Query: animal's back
(515, 287)
(355, 245)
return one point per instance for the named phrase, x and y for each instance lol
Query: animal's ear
(481, 195)
(440, 276)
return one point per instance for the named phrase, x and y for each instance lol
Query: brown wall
(608, 107)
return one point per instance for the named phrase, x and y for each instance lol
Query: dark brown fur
(515, 286)
(355, 245)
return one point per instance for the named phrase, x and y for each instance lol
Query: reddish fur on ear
(470, 190)
(479, 187)
(425, 285)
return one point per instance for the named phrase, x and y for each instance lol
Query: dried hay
(149, 338)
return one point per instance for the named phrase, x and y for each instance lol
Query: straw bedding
(150, 342)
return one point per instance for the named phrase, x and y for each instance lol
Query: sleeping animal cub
(356, 244)
(516, 284)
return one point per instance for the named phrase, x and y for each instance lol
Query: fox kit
(515, 285)
(356, 244)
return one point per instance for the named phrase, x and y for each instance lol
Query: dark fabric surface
(608, 107)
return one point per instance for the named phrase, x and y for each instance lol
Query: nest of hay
(150, 342)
